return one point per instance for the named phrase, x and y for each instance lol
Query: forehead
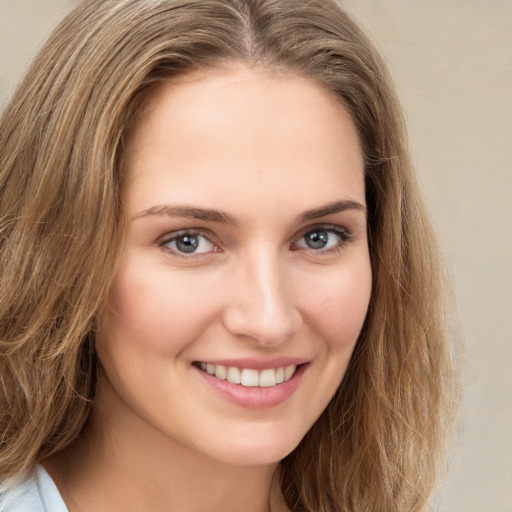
(244, 132)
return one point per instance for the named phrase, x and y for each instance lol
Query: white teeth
(250, 377)
(233, 375)
(220, 372)
(267, 378)
(289, 371)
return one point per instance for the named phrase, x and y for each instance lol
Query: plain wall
(452, 61)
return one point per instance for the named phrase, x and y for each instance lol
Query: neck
(137, 468)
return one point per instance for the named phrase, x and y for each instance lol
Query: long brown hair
(377, 445)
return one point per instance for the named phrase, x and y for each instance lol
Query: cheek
(334, 306)
(338, 303)
(157, 311)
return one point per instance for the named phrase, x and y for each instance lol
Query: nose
(262, 305)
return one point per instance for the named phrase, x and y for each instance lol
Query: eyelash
(343, 234)
(344, 237)
(172, 237)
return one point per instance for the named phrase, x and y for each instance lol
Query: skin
(264, 148)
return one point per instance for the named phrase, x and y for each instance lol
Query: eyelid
(173, 235)
(345, 235)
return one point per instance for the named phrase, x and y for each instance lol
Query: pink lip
(253, 397)
(258, 364)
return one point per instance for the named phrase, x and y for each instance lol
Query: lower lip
(254, 397)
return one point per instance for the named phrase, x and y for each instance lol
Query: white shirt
(37, 493)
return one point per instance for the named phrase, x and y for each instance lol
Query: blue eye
(186, 242)
(323, 239)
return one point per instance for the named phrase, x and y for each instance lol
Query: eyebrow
(208, 215)
(330, 209)
(189, 212)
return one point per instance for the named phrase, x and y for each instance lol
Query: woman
(219, 284)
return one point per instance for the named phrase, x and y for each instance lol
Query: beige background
(452, 60)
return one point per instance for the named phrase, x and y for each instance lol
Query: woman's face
(246, 259)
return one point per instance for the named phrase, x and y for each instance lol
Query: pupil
(317, 239)
(187, 243)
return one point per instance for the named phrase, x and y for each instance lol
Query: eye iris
(317, 239)
(187, 243)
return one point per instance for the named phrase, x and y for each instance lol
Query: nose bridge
(262, 304)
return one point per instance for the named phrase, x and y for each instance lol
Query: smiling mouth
(249, 377)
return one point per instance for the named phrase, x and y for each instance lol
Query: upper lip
(257, 364)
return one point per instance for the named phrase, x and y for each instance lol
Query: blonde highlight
(378, 444)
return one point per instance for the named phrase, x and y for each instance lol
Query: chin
(257, 449)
